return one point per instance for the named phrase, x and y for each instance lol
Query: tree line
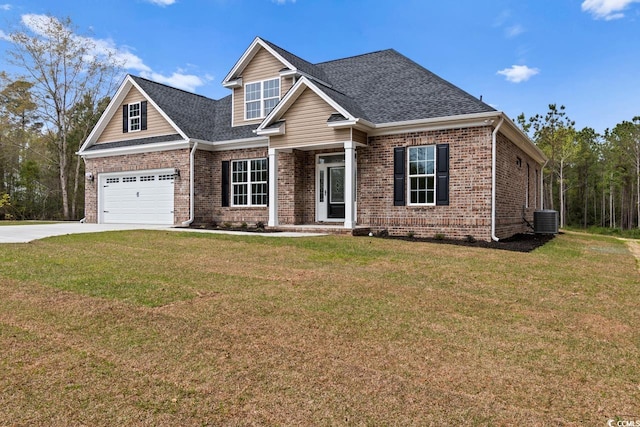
(591, 178)
(63, 83)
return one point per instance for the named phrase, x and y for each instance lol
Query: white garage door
(139, 197)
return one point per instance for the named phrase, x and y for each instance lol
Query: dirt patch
(634, 248)
(517, 243)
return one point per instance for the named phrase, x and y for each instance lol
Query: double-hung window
(134, 117)
(260, 98)
(422, 177)
(249, 182)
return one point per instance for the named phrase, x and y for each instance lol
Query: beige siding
(156, 124)
(306, 124)
(263, 66)
(359, 136)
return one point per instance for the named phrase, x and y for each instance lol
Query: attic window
(134, 117)
(260, 98)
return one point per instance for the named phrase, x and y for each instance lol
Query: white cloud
(162, 2)
(518, 73)
(5, 6)
(514, 30)
(188, 82)
(4, 36)
(123, 55)
(98, 47)
(606, 9)
(283, 1)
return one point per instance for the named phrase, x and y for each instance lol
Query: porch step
(323, 228)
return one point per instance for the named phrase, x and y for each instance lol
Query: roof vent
(545, 222)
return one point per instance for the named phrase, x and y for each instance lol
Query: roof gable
(113, 110)
(290, 62)
(329, 96)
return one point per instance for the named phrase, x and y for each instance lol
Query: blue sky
(520, 55)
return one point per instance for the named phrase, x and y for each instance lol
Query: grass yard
(181, 329)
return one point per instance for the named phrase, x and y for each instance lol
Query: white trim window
(135, 114)
(422, 175)
(249, 179)
(260, 98)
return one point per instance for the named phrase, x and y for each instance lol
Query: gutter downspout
(494, 136)
(191, 186)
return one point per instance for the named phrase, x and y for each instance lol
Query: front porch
(314, 187)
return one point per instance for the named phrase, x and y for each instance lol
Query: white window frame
(424, 175)
(249, 183)
(130, 118)
(262, 100)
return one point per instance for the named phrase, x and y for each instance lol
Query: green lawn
(169, 328)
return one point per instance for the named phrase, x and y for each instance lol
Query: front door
(330, 188)
(336, 192)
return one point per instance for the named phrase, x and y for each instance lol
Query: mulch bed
(517, 243)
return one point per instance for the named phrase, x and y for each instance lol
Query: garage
(137, 197)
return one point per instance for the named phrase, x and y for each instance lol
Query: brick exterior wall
(178, 159)
(469, 209)
(468, 212)
(232, 214)
(511, 189)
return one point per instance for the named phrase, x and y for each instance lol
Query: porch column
(273, 188)
(349, 184)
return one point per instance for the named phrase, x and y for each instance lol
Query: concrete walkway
(28, 233)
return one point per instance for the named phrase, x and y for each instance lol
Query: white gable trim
(291, 97)
(135, 149)
(114, 108)
(247, 56)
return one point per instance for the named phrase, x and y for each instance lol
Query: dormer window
(260, 98)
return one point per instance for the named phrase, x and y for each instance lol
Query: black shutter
(398, 176)
(143, 115)
(267, 181)
(442, 174)
(125, 118)
(225, 183)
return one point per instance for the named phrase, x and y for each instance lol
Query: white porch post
(273, 188)
(349, 184)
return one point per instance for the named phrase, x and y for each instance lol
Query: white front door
(330, 185)
(137, 197)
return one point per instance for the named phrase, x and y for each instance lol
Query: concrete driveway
(28, 233)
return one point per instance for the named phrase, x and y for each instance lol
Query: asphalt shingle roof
(381, 87)
(389, 87)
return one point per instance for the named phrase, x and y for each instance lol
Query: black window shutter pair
(143, 117)
(442, 175)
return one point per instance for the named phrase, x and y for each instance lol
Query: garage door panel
(141, 197)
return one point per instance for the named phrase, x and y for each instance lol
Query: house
(374, 141)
